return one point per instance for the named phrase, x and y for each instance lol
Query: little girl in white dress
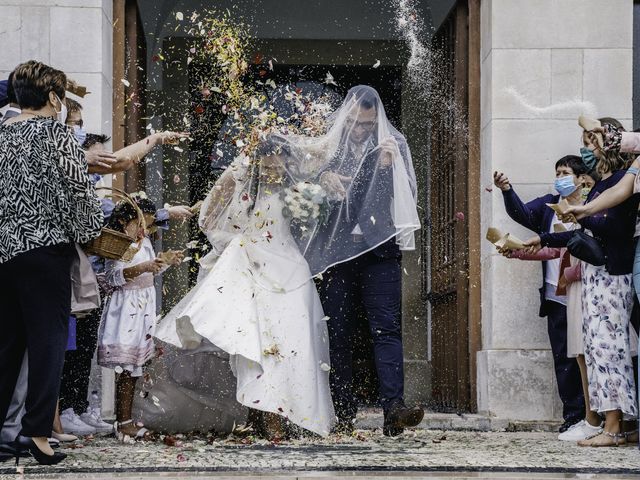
(125, 337)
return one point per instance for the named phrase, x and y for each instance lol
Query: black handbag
(586, 248)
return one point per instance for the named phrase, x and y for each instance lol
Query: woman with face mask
(47, 203)
(614, 140)
(560, 300)
(574, 188)
(607, 299)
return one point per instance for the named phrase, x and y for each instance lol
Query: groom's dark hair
(368, 100)
(366, 96)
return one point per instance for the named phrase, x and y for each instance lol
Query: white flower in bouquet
(305, 204)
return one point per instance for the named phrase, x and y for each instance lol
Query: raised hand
(533, 245)
(180, 212)
(333, 184)
(169, 137)
(154, 266)
(104, 159)
(505, 252)
(387, 148)
(612, 137)
(576, 212)
(501, 181)
(177, 258)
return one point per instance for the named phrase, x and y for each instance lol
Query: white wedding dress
(258, 303)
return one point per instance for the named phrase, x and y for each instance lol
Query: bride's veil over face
(355, 186)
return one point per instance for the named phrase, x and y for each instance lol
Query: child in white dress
(125, 338)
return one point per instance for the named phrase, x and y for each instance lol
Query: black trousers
(376, 283)
(567, 370)
(35, 303)
(77, 364)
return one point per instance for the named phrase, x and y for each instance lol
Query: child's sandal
(141, 434)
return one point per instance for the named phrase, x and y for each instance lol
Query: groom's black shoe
(399, 416)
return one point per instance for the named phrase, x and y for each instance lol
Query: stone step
(371, 418)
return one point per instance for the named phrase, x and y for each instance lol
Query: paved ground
(419, 451)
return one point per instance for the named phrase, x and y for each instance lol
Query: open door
(455, 217)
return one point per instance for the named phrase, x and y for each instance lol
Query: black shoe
(27, 443)
(400, 416)
(568, 424)
(344, 427)
(11, 450)
(7, 452)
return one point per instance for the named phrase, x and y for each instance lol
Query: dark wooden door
(453, 378)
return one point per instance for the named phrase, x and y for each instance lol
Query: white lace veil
(363, 166)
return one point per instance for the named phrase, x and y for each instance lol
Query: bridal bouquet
(306, 204)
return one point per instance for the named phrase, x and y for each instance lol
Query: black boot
(398, 416)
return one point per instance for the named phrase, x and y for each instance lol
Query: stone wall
(72, 35)
(549, 51)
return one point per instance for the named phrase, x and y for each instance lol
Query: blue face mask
(588, 158)
(80, 133)
(565, 185)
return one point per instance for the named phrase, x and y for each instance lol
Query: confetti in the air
(329, 79)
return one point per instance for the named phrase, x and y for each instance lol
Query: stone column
(549, 52)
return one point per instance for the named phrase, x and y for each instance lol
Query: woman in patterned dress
(607, 299)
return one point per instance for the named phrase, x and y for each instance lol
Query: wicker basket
(112, 244)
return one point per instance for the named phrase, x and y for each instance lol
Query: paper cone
(494, 235)
(506, 240)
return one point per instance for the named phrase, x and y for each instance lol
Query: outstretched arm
(217, 200)
(128, 156)
(611, 197)
(528, 215)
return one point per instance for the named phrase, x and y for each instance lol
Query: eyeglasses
(363, 125)
(79, 123)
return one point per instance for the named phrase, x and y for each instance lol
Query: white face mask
(61, 115)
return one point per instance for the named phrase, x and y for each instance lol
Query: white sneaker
(71, 423)
(92, 418)
(580, 431)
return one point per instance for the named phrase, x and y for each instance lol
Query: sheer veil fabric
(364, 167)
(275, 220)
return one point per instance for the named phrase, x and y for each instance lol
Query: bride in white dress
(256, 301)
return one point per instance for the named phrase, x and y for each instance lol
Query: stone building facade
(548, 51)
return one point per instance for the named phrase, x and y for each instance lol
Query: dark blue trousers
(567, 370)
(375, 283)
